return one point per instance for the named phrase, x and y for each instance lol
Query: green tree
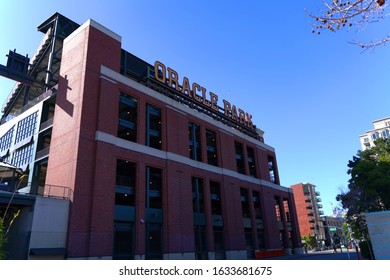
(4, 229)
(346, 232)
(2, 239)
(369, 186)
(358, 226)
(310, 240)
(350, 14)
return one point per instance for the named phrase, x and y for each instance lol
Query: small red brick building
(308, 207)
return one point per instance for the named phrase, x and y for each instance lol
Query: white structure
(381, 130)
(379, 229)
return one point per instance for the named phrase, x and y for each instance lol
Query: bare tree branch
(373, 44)
(341, 14)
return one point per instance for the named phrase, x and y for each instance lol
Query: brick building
(308, 208)
(152, 165)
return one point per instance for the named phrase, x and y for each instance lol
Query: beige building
(381, 130)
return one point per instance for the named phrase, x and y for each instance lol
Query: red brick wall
(73, 155)
(300, 204)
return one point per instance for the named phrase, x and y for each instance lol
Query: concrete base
(93, 258)
(180, 256)
(236, 255)
(299, 251)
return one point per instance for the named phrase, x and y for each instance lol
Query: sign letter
(160, 72)
(172, 79)
(186, 87)
(227, 108)
(214, 101)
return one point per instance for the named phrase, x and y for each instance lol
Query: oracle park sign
(167, 81)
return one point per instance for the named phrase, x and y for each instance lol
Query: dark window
(124, 238)
(194, 143)
(211, 142)
(216, 207)
(290, 241)
(48, 111)
(258, 217)
(201, 252)
(251, 161)
(219, 244)
(153, 188)
(44, 140)
(127, 126)
(256, 204)
(124, 198)
(261, 238)
(245, 203)
(281, 233)
(153, 127)
(133, 67)
(154, 242)
(125, 183)
(200, 243)
(239, 158)
(125, 173)
(250, 252)
(197, 195)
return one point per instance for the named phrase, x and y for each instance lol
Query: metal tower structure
(43, 68)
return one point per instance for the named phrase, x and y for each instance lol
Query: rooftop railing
(58, 192)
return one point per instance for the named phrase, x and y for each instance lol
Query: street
(321, 255)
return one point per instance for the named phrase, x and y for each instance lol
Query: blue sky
(313, 95)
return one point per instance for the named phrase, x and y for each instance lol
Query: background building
(151, 165)
(307, 202)
(333, 226)
(381, 130)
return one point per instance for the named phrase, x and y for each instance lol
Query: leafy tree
(346, 231)
(2, 239)
(369, 186)
(359, 227)
(310, 240)
(344, 14)
(4, 231)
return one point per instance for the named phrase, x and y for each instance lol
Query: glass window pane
(127, 117)
(153, 127)
(240, 158)
(211, 142)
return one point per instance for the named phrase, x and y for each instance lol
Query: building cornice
(97, 26)
(133, 146)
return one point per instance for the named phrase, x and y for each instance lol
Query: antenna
(333, 208)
